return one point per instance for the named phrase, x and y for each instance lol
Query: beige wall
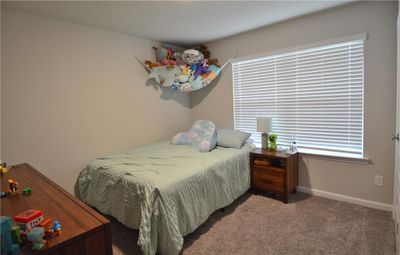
(71, 93)
(378, 19)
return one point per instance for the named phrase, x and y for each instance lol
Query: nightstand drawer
(269, 180)
(263, 162)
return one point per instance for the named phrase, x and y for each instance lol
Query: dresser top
(75, 217)
(274, 154)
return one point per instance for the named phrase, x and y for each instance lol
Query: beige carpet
(256, 224)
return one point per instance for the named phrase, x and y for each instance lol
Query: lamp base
(264, 141)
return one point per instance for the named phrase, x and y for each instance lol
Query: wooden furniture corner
(84, 231)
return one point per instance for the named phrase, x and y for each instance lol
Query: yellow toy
(185, 70)
(150, 64)
(3, 168)
(13, 186)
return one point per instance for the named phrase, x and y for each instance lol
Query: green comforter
(166, 191)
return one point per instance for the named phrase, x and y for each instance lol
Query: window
(314, 96)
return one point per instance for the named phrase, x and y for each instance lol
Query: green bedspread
(166, 191)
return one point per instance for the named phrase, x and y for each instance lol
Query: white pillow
(231, 138)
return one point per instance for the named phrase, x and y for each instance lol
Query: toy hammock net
(188, 71)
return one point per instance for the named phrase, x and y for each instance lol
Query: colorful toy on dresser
(12, 184)
(8, 245)
(3, 168)
(31, 227)
(13, 189)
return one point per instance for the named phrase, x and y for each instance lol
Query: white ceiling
(178, 22)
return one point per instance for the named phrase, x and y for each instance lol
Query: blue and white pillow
(180, 138)
(202, 134)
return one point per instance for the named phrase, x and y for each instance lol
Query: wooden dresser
(274, 172)
(84, 231)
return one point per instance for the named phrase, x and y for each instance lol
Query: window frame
(320, 153)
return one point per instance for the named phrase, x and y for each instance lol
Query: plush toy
(207, 55)
(185, 87)
(176, 55)
(170, 53)
(208, 77)
(150, 64)
(195, 84)
(185, 70)
(168, 62)
(272, 142)
(203, 49)
(174, 88)
(201, 68)
(183, 78)
(181, 71)
(214, 62)
(162, 53)
(192, 56)
(165, 76)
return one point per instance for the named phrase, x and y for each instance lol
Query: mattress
(165, 191)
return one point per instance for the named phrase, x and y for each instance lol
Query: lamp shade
(264, 124)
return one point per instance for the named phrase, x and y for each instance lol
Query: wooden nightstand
(274, 172)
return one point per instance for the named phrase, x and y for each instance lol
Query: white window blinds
(314, 96)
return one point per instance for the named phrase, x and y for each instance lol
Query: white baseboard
(353, 200)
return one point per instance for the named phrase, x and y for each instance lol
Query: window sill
(335, 156)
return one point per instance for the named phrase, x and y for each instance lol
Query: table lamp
(264, 125)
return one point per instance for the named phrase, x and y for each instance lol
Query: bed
(165, 191)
